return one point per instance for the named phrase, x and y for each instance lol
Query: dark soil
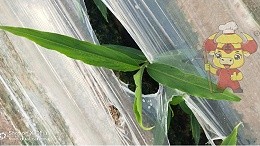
(113, 32)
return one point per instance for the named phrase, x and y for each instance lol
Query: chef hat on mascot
(229, 36)
(228, 28)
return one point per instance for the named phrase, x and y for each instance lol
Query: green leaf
(195, 129)
(102, 8)
(131, 52)
(169, 117)
(85, 51)
(176, 100)
(138, 98)
(232, 138)
(185, 108)
(189, 83)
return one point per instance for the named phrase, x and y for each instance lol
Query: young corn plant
(121, 58)
(175, 100)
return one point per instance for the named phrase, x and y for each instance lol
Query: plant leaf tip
(147, 128)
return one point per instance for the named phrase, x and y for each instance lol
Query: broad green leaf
(232, 138)
(195, 129)
(102, 8)
(191, 84)
(87, 52)
(131, 52)
(138, 107)
(176, 100)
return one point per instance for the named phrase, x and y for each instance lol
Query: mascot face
(233, 59)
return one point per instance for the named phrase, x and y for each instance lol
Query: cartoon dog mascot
(229, 51)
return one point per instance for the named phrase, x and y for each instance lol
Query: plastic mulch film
(174, 32)
(47, 98)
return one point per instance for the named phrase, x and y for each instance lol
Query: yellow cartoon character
(229, 52)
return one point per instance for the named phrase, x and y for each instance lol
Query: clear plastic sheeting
(173, 32)
(47, 98)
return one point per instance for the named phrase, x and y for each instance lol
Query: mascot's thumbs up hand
(234, 76)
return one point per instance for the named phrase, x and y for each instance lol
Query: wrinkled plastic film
(161, 38)
(163, 29)
(51, 99)
(149, 36)
(140, 21)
